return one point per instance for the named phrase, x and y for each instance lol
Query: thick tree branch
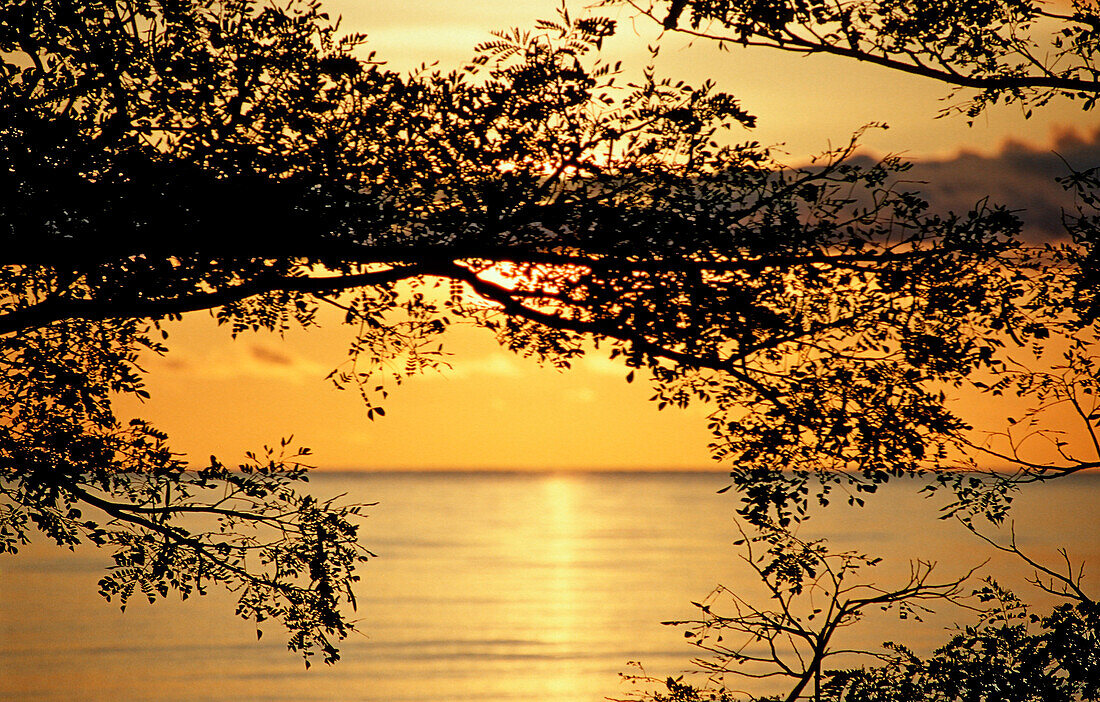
(51, 311)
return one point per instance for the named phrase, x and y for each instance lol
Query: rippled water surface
(487, 587)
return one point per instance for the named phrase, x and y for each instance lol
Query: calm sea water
(498, 587)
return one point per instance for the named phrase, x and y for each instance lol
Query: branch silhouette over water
(243, 158)
(1023, 52)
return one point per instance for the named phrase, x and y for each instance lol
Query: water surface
(497, 587)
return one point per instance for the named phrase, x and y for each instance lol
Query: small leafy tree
(790, 637)
(1009, 655)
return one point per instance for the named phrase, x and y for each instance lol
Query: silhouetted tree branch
(1003, 51)
(789, 636)
(997, 51)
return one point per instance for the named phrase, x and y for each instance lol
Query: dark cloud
(1022, 177)
(266, 355)
(176, 364)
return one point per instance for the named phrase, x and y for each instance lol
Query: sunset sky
(498, 411)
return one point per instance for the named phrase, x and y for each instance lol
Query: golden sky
(805, 103)
(495, 410)
(492, 410)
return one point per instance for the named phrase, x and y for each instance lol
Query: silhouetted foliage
(788, 638)
(235, 156)
(995, 50)
(1025, 51)
(1011, 654)
(812, 593)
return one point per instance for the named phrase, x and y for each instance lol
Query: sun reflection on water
(565, 528)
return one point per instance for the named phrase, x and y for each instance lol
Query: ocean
(498, 587)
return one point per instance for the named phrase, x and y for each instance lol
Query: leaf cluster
(73, 472)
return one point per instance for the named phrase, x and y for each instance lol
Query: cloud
(602, 365)
(240, 361)
(498, 365)
(582, 395)
(265, 354)
(1021, 176)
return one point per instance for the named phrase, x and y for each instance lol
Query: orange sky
(493, 410)
(496, 410)
(802, 102)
